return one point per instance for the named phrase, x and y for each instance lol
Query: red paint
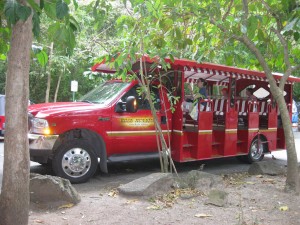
(209, 137)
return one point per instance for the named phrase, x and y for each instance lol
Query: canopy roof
(209, 71)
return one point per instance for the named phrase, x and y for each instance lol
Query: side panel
(230, 136)
(133, 132)
(204, 147)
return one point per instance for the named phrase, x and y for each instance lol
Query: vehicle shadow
(126, 171)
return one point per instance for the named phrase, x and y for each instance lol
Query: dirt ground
(251, 200)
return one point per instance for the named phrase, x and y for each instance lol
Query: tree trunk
(292, 180)
(14, 199)
(57, 87)
(49, 74)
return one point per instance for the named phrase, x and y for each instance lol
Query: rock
(148, 186)
(51, 192)
(200, 180)
(217, 198)
(266, 167)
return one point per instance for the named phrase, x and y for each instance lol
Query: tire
(255, 154)
(75, 160)
(256, 151)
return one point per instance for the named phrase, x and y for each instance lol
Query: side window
(142, 101)
(131, 92)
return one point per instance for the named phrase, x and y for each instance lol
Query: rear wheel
(75, 161)
(256, 152)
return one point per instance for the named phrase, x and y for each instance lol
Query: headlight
(40, 126)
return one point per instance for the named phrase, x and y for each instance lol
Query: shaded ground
(251, 200)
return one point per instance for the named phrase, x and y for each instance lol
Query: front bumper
(40, 147)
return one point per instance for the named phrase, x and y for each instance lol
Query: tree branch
(251, 46)
(245, 16)
(275, 15)
(294, 68)
(228, 11)
(286, 57)
(222, 28)
(284, 44)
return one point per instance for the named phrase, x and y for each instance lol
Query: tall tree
(23, 20)
(15, 189)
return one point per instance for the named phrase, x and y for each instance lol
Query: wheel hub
(76, 162)
(256, 150)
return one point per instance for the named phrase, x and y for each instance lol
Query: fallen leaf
(271, 181)
(249, 182)
(259, 176)
(39, 221)
(154, 207)
(113, 193)
(284, 208)
(131, 201)
(70, 205)
(202, 215)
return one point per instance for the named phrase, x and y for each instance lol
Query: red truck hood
(62, 108)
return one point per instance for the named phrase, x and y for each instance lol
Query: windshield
(104, 93)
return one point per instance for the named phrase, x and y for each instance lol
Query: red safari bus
(105, 124)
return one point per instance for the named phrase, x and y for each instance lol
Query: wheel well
(92, 137)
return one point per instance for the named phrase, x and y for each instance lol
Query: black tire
(256, 152)
(75, 160)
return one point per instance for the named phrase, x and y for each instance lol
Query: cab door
(135, 132)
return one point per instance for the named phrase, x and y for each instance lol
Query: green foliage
(42, 58)
(63, 30)
(5, 34)
(14, 11)
(70, 67)
(62, 9)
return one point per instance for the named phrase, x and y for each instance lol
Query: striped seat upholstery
(263, 108)
(219, 107)
(242, 106)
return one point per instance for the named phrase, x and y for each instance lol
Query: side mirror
(131, 104)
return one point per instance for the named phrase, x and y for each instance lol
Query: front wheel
(75, 161)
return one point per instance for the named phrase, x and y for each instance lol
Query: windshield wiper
(87, 101)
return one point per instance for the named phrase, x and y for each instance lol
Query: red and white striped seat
(219, 106)
(263, 108)
(242, 106)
